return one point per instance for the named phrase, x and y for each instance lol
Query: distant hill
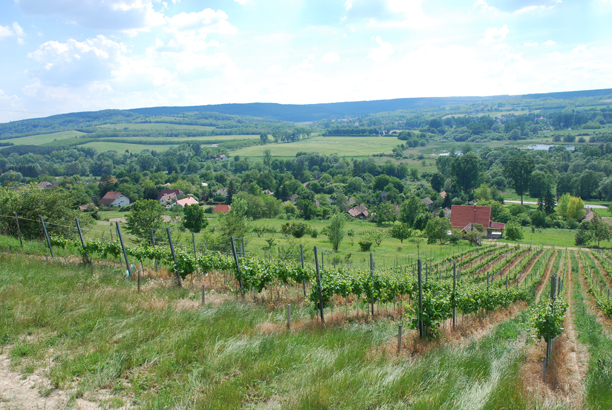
(314, 112)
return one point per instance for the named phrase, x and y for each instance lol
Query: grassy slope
(101, 334)
(350, 147)
(45, 138)
(121, 147)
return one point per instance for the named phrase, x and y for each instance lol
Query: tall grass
(161, 349)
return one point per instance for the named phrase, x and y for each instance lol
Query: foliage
(519, 170)
(547, 318)
(437, 230)
(571, 207)
(234, 222)
(401, 231)
(194, 218)
(296, 229)
(513, 231)
(146, 214)
(335, 230)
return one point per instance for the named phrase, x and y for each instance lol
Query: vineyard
(235, 318)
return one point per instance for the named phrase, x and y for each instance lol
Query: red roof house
(461, 215)
(222, 208)
(464, 215)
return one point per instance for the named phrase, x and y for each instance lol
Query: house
(222, 191)
(45, 184)
(204, 184)
(443, 194)
(167, 198)
(184, 202)
(293, 198)
(589, 215)
(222, 208)
(360, 212)
(463, 215)
(351, 202)
(114, 199)
(428, 202)
(163, 192)
(267, 192)
(447, 212)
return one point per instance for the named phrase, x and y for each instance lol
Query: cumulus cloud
(549, 43)
(77, 63)
(331, 58)
(534, 44)
(381, 53)
(389, 13)
(13, 30)
(494, 34)
(95, 14)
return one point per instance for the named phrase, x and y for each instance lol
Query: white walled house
(114, 199)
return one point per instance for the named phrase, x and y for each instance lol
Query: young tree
(401, 231)
(519, 170)
(386, 212)
(234, 223)
(549, 201)
(267, 158)
(437, 230)
(146, 214)
(513, 231)
(194, 218)
(410, 210)
(335, 230)
(600, 230)
(263, 138)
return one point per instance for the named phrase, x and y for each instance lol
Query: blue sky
(63, 56)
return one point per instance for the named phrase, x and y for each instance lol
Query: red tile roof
(461, 215)
(109, 198)
(163, 192)
(497, 225)
(223, 208)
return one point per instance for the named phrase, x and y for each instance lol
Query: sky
(62, 56)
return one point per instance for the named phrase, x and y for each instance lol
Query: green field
(155, 126)
(345, 146)
(121, 147)
(201, 138)
(45, 138)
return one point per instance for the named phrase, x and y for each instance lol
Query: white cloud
(189, 31)
(515, 6)
(581, 49)
(76, 63)
(494, 34)
(534, 44)
(275, 69)
(108, 14)
(348, 5)
(16, 30)
(549, 43)
(381, 53)
(243, 2)
(331, 58)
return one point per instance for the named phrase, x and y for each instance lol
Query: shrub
(365, 245)
(513, 231)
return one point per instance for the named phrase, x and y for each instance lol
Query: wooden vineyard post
(78, 225)
(195, 252)
(203, 293)
(316, 252)
(302, 260)
(279, 255)
(322, 261)
(153, 244)
(127, 264)
(399, 339)
(243, 251)
(289, 316)
(506, 282)
(454, 290)
(372, 280)
(18, 230)
(47, 236)
(238, 264)
(138, 280)
(420, 277)
(178, 276)
(426, 272)
(488, 274)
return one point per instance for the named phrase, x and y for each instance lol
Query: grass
(201, 138)
(156, 126)
(592, 334)
(122, 147)
(350, 147)
(45, 138)
(550, 236)
(101, 334)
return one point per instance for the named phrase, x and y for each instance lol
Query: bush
(314, 233)
(365, 245)
(513, 231)
(571, 223)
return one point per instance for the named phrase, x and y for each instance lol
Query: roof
(294, 197)
(44, 184)
(443, 194)
(497, 225)
(186, 201)
(267, 192)
(589, 215)
(223, 208)
(110, 197)
(168, 197)
(222, 191)
(358, 211)
(163, 192)
(427, 201)
(461, 215)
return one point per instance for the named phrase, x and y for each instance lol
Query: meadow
(349, 147)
